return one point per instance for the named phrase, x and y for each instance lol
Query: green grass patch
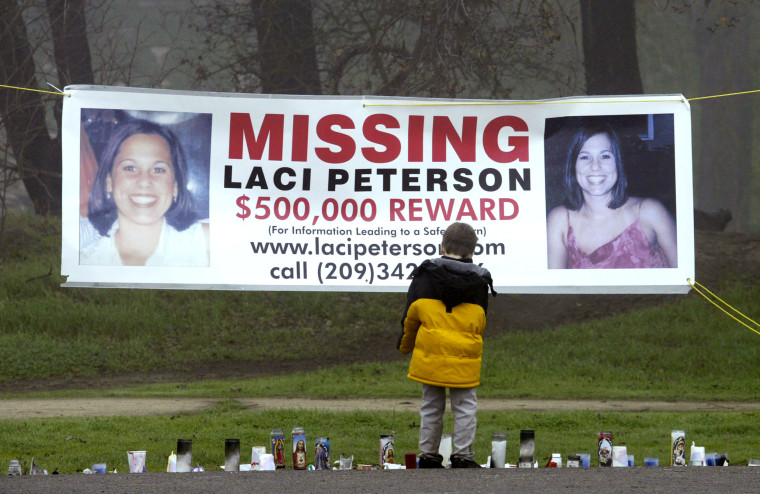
(70, 445)
(47, 331)
(681, 351)
(687, 350)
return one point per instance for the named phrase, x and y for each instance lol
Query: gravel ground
(643, 479)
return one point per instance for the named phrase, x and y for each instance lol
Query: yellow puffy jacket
(443, 325)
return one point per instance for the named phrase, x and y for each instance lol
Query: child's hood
(458, 281)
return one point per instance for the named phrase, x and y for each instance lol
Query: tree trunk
(285, 33)
(70, 46)
(72, 52)
(38, 157)
(609, 47)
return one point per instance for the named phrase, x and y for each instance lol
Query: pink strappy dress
(630, 249)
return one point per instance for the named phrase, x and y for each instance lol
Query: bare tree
(255, 46)
(22, 114)
(70, 45)
(444, 48)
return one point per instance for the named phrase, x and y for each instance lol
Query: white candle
(498, 450)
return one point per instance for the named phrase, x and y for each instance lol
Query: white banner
(170, 189)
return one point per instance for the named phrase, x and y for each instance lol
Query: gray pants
(464, 405)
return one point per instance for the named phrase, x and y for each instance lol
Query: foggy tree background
(431, 48)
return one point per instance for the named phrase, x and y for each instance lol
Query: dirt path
(105, 407)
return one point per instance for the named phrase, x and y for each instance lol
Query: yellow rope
(694, 286)
(472, 103)
(488, 103)
(722, 95)
(59, 93)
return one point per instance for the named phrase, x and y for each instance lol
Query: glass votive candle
(652, 461)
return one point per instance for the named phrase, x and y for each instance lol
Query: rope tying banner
(697, 284)
(487, 103)
(58, 93)
(479, 103)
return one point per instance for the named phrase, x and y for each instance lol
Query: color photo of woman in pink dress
(599, 225)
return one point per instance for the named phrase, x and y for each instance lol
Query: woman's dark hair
(573, 192)
(101, 208)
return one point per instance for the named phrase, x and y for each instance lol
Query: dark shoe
(463, 463)
(430, 463)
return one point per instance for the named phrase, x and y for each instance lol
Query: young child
(443, 325)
